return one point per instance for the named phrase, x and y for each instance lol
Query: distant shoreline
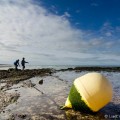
(69, 68)
(5, 65)
(108, 69)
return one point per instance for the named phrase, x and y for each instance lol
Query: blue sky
(87, 14)
(59, 32)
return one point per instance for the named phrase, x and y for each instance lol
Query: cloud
(66, 14)
(107, 29)
(31, 30)
(53, 8)
(27, 29)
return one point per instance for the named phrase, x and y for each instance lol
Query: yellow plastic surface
(95, 90)
(68, 103)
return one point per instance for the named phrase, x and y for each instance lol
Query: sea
(57, 67)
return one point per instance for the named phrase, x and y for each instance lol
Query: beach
(38, 94)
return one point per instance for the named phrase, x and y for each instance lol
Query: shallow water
(43, 101)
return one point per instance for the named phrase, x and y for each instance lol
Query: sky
(60, 32)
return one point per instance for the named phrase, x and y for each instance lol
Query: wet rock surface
(80, 69)
(13, 76)
(30, 100)
(6, 99)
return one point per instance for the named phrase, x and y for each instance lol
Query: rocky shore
(28, 73)
(108, 69)
(12, 75)
(35, 94)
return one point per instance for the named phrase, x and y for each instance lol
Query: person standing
(23, 63)
(16, 64)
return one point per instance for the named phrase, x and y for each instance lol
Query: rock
(23, 116)
(28, 84)
(41, 81)
(11, 69)
(11, 117)
(6, 99)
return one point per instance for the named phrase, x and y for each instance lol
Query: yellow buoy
(89, 92)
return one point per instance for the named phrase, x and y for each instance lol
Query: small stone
(41, 81)
(3, 111)
(22, 116)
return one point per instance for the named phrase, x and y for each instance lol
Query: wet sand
(38, 95)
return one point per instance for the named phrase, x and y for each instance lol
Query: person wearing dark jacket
(16, 64)
(23, 63)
